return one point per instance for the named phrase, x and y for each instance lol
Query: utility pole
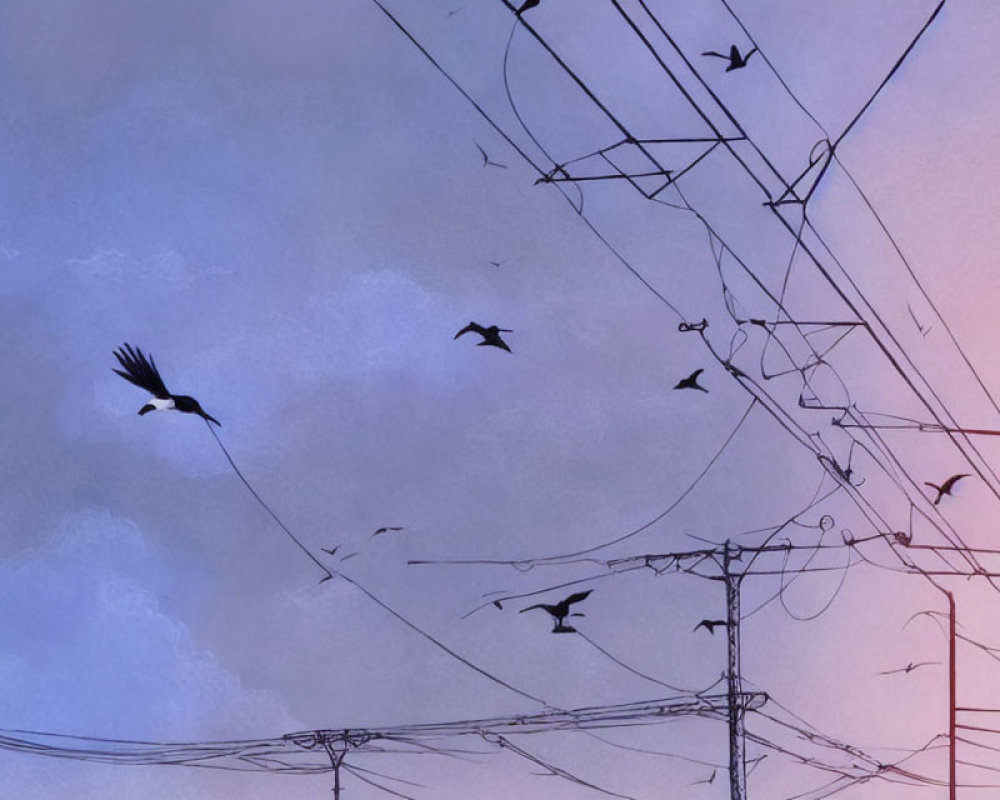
(336, 760)
(951, 692)
(737, 736)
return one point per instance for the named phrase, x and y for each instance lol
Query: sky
(287, 206)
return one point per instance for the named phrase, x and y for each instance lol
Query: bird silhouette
(387, 528)
(944, 488)
(142, 371)
(709, 779)
(924, 330)
(491, 335)
(486, 158)
(909, 667)
(497, 263)
(736, 61)
(691, 382)
(560, 611)
(526, 5)
(711, 624)
(332, 552)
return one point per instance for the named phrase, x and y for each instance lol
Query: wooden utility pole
(737, 736)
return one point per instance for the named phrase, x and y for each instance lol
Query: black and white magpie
(142, 371)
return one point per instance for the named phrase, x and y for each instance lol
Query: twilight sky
(285, 204)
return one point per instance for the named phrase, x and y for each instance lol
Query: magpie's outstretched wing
(140, 370)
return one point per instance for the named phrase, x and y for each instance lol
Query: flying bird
(691, 382)
(142, 371)
(942, 490)
(736, 61)
(711, 624)
(387, 528)
(497, 263)
(486, 158)
(332, 552)
(909, 667)
(709, 779)
(924, 329)
(491, 335)
(527, 4)
(560, 611)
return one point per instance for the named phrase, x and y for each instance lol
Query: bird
(387, 528)
(142, 371)
(924, 330)
(711, 624)
(944, 488)
(560, 611)
(497, 263)
(332, 552)
(486, 158)
(736, 61)
(691, 382)
(909, 667)
(491, 335)
(526, 5)
(709, 779)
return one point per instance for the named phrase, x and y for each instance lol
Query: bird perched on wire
(560, 611)
(711, 624)
(491, 335)
(142, 371)
(946, 487)
(736, 61)
(691, 382)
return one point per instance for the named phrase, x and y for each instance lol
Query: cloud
(89, 647)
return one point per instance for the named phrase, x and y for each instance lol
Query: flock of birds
(140, 370)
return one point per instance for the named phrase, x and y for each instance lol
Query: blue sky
(286, 206)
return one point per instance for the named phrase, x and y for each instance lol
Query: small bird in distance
(709, 779)
(332, 552)
(491, 335)
(142, 372)
(486, 159)
(711, 624)
(387, 528)
(691, 382)
(735, 59)
(924, 329)
(559, 611)
(909, 667)
(946, 487)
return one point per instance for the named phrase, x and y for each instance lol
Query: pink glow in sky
(286, 205)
